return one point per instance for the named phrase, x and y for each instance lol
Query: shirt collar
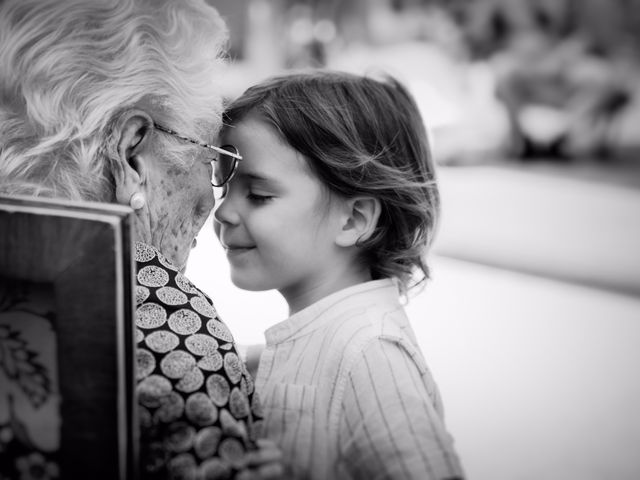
(331, 307)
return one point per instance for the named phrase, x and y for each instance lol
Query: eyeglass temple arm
(224, 152)
(164, 129)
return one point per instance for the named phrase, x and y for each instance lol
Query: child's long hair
(360, 136)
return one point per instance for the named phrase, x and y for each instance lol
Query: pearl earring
(137, 201)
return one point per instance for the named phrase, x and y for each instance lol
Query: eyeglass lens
(224, 166)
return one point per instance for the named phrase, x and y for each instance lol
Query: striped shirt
(347, 394)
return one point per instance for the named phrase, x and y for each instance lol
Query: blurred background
(531, 322)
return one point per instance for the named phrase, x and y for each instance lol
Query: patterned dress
(196, 399)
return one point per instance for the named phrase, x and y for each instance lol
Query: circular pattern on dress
(177, 363)
(231, 450)
(152, 389)
(180, 437)
(142, 293)
(144, 417)
(185, 322)
(256, 406)
(184, 284)
(219, 330)
(191, 381)
(211, 362)
(238, 403)
(171, 408)
(200, 409)
(183, 467)
(207, 441)
(150, 315)
(152, 276)
(215, 469)
(144, 252)
(145, 363)
(202, 306)
(249, 386)
(233, 367)
(176, 359)
(201, 344)
(171, 296)
(218, 389)
(162, 341)
(243, 384)
(230, 425)
(154, 455)
(139, 335)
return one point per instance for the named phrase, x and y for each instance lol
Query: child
(334, 204)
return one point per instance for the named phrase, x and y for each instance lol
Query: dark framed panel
(67, 403)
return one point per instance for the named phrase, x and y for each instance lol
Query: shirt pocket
(290, 413)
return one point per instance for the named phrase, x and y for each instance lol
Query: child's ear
(361, 220)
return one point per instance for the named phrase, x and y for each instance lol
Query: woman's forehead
(208, 129)
(205, 129)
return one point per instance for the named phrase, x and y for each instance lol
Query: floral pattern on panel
(197, 414)
(26, 384)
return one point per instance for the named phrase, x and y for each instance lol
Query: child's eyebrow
(257, 177)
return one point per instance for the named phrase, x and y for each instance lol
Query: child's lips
(238, 249)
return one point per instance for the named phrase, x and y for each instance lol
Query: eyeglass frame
(220, 150)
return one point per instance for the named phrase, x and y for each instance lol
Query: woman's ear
(361, 220)
(132, 153)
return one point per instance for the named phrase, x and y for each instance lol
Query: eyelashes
(258, 199)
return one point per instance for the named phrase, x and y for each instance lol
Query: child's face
(276, 221)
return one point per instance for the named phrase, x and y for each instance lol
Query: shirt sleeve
(391, 426)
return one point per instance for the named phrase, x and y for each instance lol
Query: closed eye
(258, 199)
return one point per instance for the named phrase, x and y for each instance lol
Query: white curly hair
(68, 68)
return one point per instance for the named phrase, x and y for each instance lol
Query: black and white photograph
(320, 239)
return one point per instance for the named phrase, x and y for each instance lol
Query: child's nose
(224, 211)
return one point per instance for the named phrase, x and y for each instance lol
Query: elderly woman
(118, 101)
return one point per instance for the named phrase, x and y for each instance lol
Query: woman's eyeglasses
(225, 163)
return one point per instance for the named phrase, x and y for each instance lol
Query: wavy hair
(360, 136)
(68, 68)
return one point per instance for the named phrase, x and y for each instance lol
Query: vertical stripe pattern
(347, 393)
